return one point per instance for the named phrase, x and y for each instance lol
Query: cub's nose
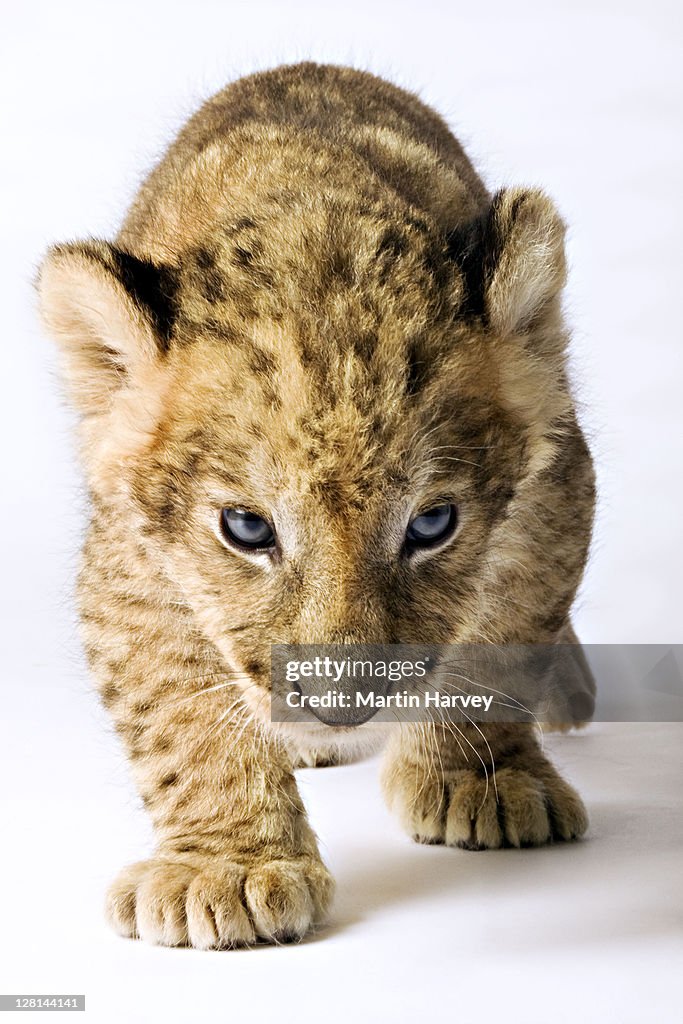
(338, 684)
(338, 705)
(348, 716)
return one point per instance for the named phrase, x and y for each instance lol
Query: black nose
(347, 716)
(335, 684)
(344, 703)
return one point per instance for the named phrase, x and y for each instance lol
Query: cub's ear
(512, 260)
(111, 313)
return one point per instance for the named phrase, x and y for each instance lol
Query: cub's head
(339, 425)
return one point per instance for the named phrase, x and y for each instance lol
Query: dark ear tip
(83, 252)
(154, 287)
(57, 263)
(521, 207)
(475, 248)
(511, 258)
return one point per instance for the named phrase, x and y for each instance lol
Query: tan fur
(314, 310)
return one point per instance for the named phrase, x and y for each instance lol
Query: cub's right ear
(111, 313)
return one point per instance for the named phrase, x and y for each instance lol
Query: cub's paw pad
(219, 904)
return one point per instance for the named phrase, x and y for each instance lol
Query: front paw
(219, 903)
(519, 806)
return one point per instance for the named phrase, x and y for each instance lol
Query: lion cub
(322, 390)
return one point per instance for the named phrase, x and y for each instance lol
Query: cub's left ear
(512, 259)
(111, 313)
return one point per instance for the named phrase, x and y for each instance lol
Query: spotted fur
(314, 309)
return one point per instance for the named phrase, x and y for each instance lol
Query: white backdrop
(583, 97)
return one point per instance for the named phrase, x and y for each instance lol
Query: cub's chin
(323, 746)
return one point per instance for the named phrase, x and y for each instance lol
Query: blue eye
(432, 526)
(246, 530)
